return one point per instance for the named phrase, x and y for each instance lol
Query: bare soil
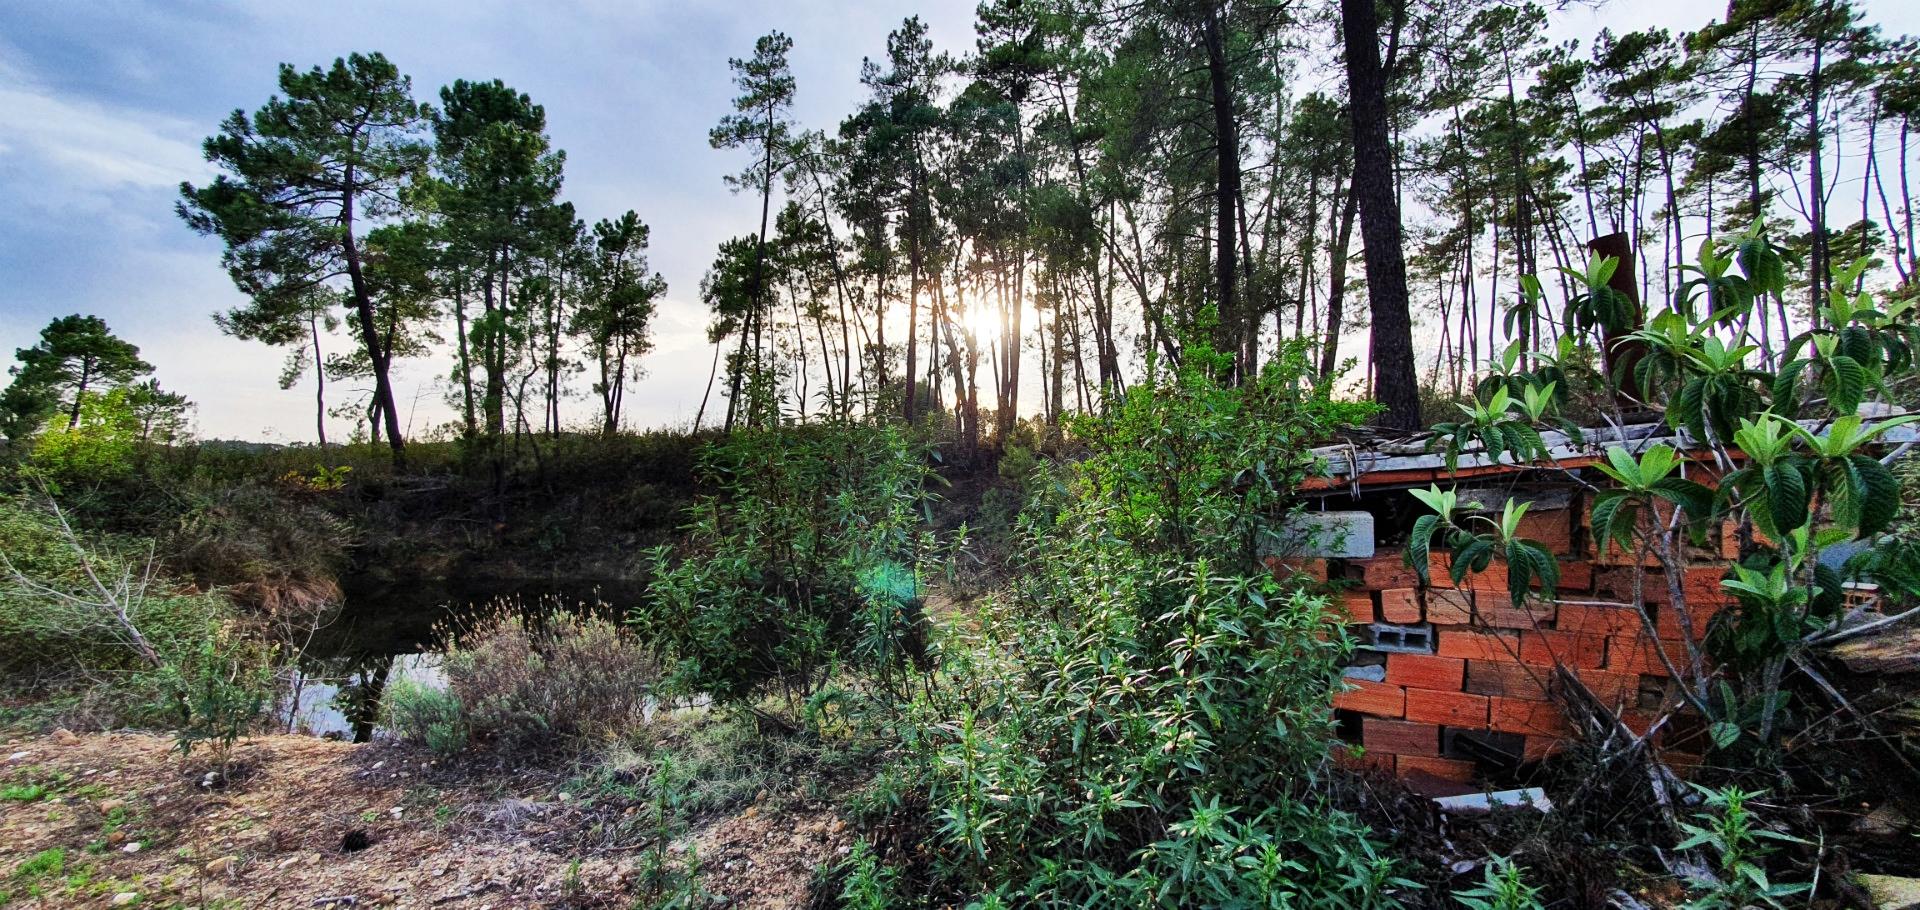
(86, 820)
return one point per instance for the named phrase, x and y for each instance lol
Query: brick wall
(1478, 687)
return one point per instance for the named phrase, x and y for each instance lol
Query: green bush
(805, 561)
(52, 625)
(557, 683)
(1141, 722)
(424, 714)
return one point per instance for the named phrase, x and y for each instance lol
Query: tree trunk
(1226, 137)
(1395, 383)
(370, 331)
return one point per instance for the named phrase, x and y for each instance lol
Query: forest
(1171, 453)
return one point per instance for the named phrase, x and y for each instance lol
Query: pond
(389, 630)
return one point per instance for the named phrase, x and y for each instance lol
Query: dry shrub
(559, 681)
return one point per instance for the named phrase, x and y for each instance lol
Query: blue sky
(103, 106)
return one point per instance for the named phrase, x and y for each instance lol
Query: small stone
(397, 811)
(126, 899)
(565, 796)
(1892, 892)
(131, 848)
(116, 838)
(221, 866)
(19, 756)
(106, 806)
(65, 736)
(1886, 821)
(378, 765)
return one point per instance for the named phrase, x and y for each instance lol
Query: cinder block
(1533, 718)
(1451, 709)
(1426, 671)
(1399, 737)
(1585, 650)
(1447, 769)
(1476, 644)
(1377, 699)
(1400, 605)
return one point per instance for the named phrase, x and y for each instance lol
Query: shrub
(54, 622)
(221, 690)
(806, 560)
(424, 714)
(555, 683)
(1141, 722)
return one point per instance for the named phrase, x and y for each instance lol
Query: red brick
(1701, 585)
(1354, 759)
(1667, 619)
(1575, 575)
(1572, 649)
(1447, 607)
(1399, 737)
(1498, 611)
(1290, 566)
(1474, 644)
(1451, 709)
(1611, 619)
(1352, 607)
(1426, 671)
(1551, 528)
(1386, 570)
(1513, 680)
(1401, 605)
(1377, 699)
(1533, 718)
(1447, 769)
(1614, 690)
(1639, 654)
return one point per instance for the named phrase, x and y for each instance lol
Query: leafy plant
(1739, 845)
(806, 561)
(1503, 886)
(1527, 560)
(221, 691)
(1141, 721)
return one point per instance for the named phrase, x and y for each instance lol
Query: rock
(1886, 821)
(131, 848)
(126, 899)
(107, 806)
(65, 736)
(1892, 892)
(116, 838)
(565, 796)
(221, 866)
(20, 756)
(1370, 673)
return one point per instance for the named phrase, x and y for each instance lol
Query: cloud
(82, 145)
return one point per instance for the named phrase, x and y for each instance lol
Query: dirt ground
(104, 820)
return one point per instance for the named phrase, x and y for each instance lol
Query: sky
(103, 106)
